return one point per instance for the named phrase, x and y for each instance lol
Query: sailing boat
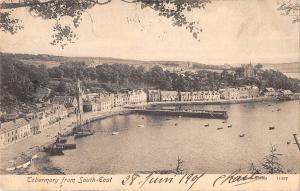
(80, 130)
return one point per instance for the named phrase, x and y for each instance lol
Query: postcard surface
(150, 95)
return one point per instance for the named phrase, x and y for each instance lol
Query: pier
(184, 113)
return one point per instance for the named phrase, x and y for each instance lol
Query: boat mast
(78, 94)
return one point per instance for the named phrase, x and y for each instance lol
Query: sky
(234, 31)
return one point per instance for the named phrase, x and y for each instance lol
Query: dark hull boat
(61, 139)
(271, 128)
(80, 134)
(53, 150)
(65, 146)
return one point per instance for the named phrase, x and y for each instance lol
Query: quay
(184, 113)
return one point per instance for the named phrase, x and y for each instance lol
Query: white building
(169, 96)
(186, 96)
(14, 131)
(229, 93)
(137, 96)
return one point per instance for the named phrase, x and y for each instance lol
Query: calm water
(157, 145)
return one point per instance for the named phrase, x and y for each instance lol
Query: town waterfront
(147, 143)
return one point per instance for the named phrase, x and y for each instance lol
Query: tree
(270, 164)
(175, 10)
(291, 8)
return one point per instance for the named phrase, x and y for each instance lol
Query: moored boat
(66, 146)
(79, 134)
(53, 150)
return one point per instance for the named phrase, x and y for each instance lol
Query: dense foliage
(72, 10)
(19, 81)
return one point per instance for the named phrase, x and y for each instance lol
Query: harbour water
(146, 143)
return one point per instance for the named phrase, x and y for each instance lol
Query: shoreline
(31, 146)
(220, 102)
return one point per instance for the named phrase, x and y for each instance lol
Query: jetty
(182, 112)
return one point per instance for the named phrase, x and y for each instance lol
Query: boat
(79, 134)
(141, 125)
(271, 128)
(26, 165)
(115, 133)
(80, 129)
(10, 168)
(242, 135)
(53, 150)
(229, 126)
(34, 157)
(179, 116)
(206, 125)
(66, 146)
(219, 128)
(60, 139)
(224, 121)
(168, 119)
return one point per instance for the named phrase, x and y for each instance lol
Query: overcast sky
(234, 31)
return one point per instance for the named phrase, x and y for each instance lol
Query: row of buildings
(226, 93)
(105, 102)
(18, 127)
(22, 126)
(15, 129)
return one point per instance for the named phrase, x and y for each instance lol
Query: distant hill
(52, 61)
(292, 67)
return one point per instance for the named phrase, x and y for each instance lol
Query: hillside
(293, 67)
(51, 61)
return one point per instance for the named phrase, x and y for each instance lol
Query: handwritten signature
(235, 178)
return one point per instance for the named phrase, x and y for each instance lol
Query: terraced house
(169, 96)
(14, 131)
(137, 96)
(153, 96)
(230, 93)
(186, 96)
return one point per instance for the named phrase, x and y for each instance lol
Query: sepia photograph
(184, 88)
